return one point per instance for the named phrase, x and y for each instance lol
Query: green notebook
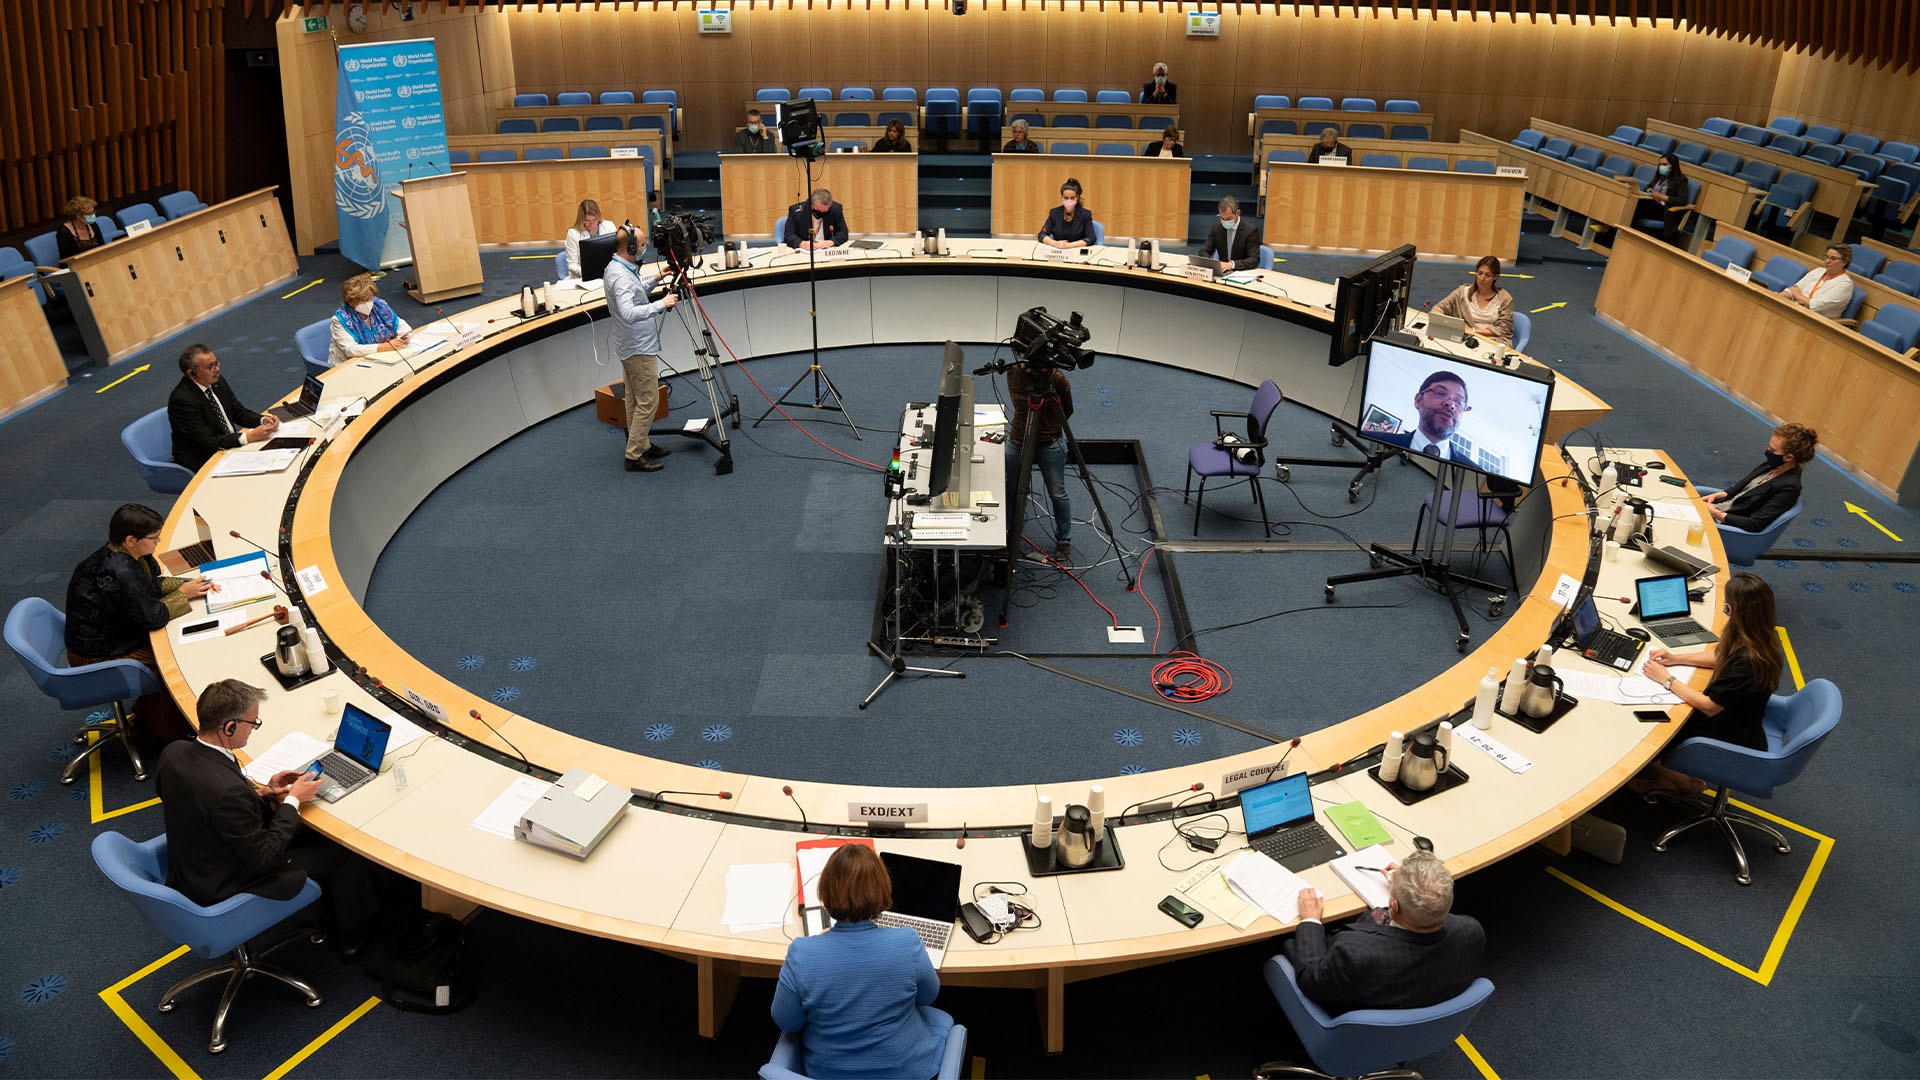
(1358, 825)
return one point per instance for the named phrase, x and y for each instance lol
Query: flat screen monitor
(1479, 416)
(1368, 301)
(595, 253)
(951, 470)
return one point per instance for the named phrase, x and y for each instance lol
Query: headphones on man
(627, 240)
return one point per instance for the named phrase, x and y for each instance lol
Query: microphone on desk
(235, 533)
(787, 790)
(656, 797)
(475, 713)
(1283, 759)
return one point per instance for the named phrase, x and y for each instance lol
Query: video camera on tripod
(1044, 341)
(679, 235)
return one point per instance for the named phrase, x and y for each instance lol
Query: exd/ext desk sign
(878, 813)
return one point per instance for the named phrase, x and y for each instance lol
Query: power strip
(1126, 635)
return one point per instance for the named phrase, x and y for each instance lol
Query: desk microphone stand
(893, 651)
(1432, 562)
(1023, 486)
(820, 377)
(707, 357)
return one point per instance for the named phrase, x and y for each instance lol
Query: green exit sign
(313, 24)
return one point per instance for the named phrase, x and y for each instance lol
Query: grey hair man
(1413, 953)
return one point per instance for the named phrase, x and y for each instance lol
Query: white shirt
(574, 236)
(1442, 448)
(1830, 299)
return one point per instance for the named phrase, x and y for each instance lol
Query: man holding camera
(636, 341)
(1042, 387)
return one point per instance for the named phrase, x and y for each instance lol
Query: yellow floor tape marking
(303, 288)
(147, 1036)
(1473, 1055)
(1793, 662)
(325, 1037)
(95, 797)
(979, 1068)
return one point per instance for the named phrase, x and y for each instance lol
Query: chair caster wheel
(1329, 594)
(1338, 439)
(1373, 561)
(1282, 473)
(1495, 606)
(1461, 645)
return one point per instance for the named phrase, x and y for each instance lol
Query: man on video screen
(1441, 401)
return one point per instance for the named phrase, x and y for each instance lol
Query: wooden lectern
(446, 249)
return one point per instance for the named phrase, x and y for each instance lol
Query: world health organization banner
(388, 127)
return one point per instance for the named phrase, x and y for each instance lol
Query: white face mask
(753, 127)
(365, 308)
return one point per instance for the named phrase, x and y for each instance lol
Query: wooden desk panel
(1782, 359)
(1722, 198)
(1130, 196)
(533, 202)
(520, 144)
(1838, 193)
(1600, 199)
(1454, 153)
(880, 193)
(1463, 215)
(30, 364)
(540, 113)
(148, 287)
(1765, 248)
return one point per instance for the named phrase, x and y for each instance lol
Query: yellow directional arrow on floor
(1528, 277)
(144, 367)
(1549, 307)
(548, 257)
(1852, 509)
(303, 288)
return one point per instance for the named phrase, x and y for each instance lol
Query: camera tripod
(1023, 484)
(821, 380)
(706, 355)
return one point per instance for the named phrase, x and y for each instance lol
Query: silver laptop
(1665, 610)
(1446, 328)
(359, 747)
(182, 559)
(926, 899)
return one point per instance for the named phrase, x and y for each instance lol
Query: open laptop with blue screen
(358, 749)
(1665, 611)
(1280, 824)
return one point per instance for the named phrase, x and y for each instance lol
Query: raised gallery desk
(30, 363)
(880, 193)
(133, 292)
(1340, 119)
(1134, 197)
(1452, 153)
(1722, 198)
(1839, 192)
(1777, 356)
(1602, 200)
(1442, 214)
(659, 879)
(533, 203)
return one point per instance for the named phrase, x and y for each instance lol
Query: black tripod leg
(1017, 509)
(1099, 508)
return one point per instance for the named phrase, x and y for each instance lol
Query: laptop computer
(1675, 558)
(1446, 327)
(182, 559)
(926, 900)
(309, 400)
(358, 749)
(1666, 613)
(1280, 824)
(1597, 643)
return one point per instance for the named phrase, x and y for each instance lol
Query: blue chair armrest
(785, 1062)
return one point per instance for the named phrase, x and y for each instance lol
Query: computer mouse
(1470, 341)
(1638, 634)
(1423, 843)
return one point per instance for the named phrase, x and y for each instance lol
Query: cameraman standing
(636, 340)
(1047, 389)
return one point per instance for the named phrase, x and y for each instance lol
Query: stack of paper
(1210, 890)
(295, 750)
(1364, 873)
(504, 812)
(257, 463)
(1266, 884)
(756, 896)
(237, 581)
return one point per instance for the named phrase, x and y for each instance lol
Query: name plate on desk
(624, 152)
(139, 227)
(1331, 160)
(1509, 170)
(1198, 271)
(1049, 252)
(1739, 273)
(833, 253)
(1246, 778)
(875, 813)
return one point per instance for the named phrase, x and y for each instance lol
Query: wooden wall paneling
(1138, 38)
(656, 53)
(1017, 48)
(493, 40)
(841, 47)
(533, 202)
(1392, 56)
(538, 49)
(782, 44)
(1268, 52)
(1329, 55)
(1201, 61)
(957, 46)
(712, 111)
(30, 364)
(1076, 57)
(901, 43)
(592, 56)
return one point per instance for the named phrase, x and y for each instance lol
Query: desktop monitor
(1369, 301)
(595, 253)
(1482, 417)
(951, 470)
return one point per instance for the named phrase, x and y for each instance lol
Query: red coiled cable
(1190, 677)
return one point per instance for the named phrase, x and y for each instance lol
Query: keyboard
(933, 935)
(1612, 649)
(1293, 841)
(1670, 627)
(198, 554)
(343, 768)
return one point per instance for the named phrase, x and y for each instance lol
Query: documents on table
(238, 581)
(1634, 689)
(1674, 510)
(295, 750)
(510, 806)
(257, 463)
(756, 896)
(1269, 886)
(1210, 890)
(1363, 872)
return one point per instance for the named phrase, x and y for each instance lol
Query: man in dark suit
(1159, 90)
(1441, 401)
(206, 416)
(1414, 954)
(817, 223)
(1233, 240)
(226, 835)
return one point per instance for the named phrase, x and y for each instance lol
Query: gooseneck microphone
(787, 790)
(235, 533)
(475, 713)
(1185, 790)
(657, 797)
(1278, 765)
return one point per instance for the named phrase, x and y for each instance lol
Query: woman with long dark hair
(1667, 188)
(1746, 663)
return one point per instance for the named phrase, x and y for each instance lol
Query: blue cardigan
(855, 993)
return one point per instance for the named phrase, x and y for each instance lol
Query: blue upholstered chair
(1614, 166)
(1279, 127)
(1796, 725)
(1471, 165)
(1112, 97)
(1366, 1041)
(1729, 250)
(1747, 133)
(1114, 149)
(518, 127)
(900, 93)
(1071, 96)
(1359, 104)
(1209, 460)
(817, 93)
(109, 232)
(1316, 103)
(588, 152)
(1718, 125)
(1067, 148)
(1822, 133)
(543, 153)
(787, 1056)
(1722, 161)
(1901, 275)
(139, 869)
(1380, 161)
(180, 203)
(607, 123)
(1099, 233)
(1587, 157)
(150, 440)
(772, 93)
(985, 117)
(1690, 153)
(1786, 125)
(1431, 164)
(845, 146)
(459, 157)
(43, 250)
(856, 93)
(1411, 132)
(647, 123)
(1315, 127)
(530, 100)
(36, 631)
(1112, 122)
(1291, 157)
(1627, 133)
(1758, 174)
(1744, 548)
(563, 124)
(1522, 330)
(13, 265)
(669, 98)
(1860, 142)
(616, 97)
(943, 93)
(780, 230)
(1274, 101)
(1787, 144)
(943, 119)
(495, 155)
(1902, 152)
(1895, 325)
(137, 213)
(1266, 257)
(573, 97)
(1557, 148)
(1778, 273)
(559, 264)
(1529, 139)
(1867, 261)
(1402, 105)
(1825, 153)
(1658, 143)
(1366, 131)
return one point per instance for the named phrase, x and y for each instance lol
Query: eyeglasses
(1459, 403)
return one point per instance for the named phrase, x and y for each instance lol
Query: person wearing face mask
(364, 324)
(1482, 304)
(1667, 188)
(587, 224)
(1233, 240)
(1159, 90)
(755, 138)
(1069, 225)
(1756, 499)
(1746, 663)
(77, 231)
(1329, 146)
